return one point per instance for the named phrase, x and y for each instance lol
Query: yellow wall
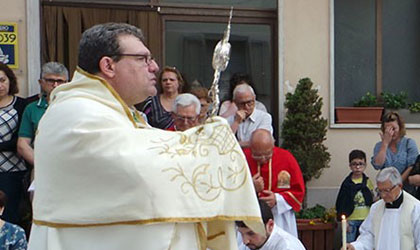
(15, 11)
(306, 50)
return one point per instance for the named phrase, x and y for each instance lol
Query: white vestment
(284, 216)
(279, 240)
(106, 180)
(390, 228)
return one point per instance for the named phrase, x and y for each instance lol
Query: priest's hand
(269, 198)
(258, 182)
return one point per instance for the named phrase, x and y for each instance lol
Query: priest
(106, 180)
(393, 222)
(277, 178)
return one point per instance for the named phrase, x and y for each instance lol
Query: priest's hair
(103, 40)
(185, 100)
(389, 173)
(266, 214)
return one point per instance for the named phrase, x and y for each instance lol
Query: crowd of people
(107, 140)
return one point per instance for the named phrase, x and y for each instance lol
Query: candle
(344, 231)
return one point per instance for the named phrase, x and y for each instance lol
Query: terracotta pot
(358, 114)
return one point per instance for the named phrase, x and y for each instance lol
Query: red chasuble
(286, 176)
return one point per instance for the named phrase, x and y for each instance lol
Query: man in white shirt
(394, 221)
(275, 237)
(247, 118)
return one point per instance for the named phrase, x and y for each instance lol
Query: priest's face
(262, 152)
(251, 239)
(387, 191)
(134, 76)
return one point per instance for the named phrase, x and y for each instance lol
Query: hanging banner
(9, 44)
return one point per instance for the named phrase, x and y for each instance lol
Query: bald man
(277, 178)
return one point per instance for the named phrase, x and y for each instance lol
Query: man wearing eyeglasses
(247, 118)
(107, 180)
(52, 75)
(277, 178)
(185, 112)
(393, 222)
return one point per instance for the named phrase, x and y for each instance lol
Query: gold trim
(212, 237)
(294, 198)
(270, 173)
(149, 221)
(202, 237)
(113, 92)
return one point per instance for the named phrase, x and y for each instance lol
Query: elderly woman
(12, 166)
(158, 108)
(12, 237)
(395, 149)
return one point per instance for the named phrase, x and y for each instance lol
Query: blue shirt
(12, 237)
(405, 156)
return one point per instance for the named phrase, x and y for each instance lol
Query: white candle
(344, 230)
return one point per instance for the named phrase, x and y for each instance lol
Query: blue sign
(9, 44)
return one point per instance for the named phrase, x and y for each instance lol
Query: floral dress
(12, 237)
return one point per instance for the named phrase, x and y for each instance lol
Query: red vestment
(286, 176)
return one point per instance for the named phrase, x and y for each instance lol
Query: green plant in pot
(398, 103)
(317, 212)
(394, 101)
(414, 107)
(368, 100)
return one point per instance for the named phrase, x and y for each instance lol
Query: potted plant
(367, 109)
(303, 132)
(316, 227)
(394, 101)
(398, 103)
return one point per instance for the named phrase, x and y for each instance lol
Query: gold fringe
(148, 221)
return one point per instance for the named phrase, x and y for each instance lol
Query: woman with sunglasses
(395, 149)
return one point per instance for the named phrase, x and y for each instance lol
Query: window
(189, 46)
(376, 48)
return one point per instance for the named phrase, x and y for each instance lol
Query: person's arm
(412, 153)
(238, 119)
(414, 180)
(406, 173)
(376, 150)
(386, 137)
(293, 195)
(25, 149)
(9, 145)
